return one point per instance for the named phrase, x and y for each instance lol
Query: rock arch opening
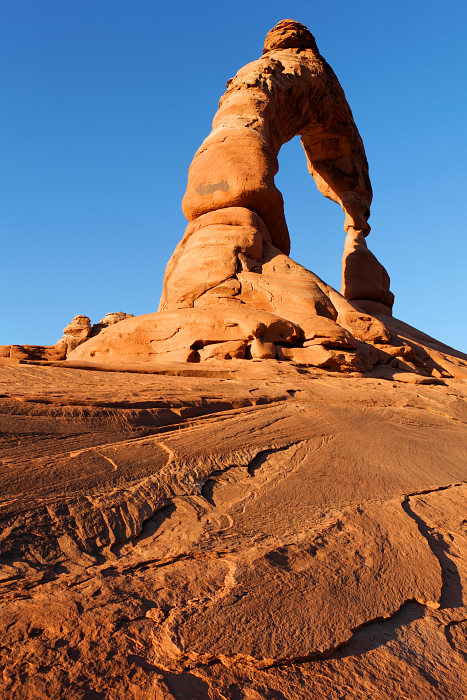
(314, 222)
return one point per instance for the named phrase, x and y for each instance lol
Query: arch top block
(289, 34)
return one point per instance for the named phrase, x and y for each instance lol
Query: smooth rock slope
(266, 531)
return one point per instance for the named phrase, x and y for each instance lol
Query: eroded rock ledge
(74, 333)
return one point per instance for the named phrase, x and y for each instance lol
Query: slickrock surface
(231, 530)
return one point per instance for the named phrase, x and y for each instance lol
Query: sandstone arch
(230, 289)
(290, 91)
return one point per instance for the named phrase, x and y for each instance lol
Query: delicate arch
(290, 91)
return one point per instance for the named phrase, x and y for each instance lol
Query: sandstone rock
(390, 351)
(76, 332)
(319, 330)
(235, 248)
(290, 90)
(364, 279)
(289, 34)
(286, 288)
(79, 327)
(396, 375)
(257, 535)
(454, 367)
(364, 327)
(230, 349)
(373, 308)
(108, 320)
(183, 355)
(261, 350)
(319, 356)
(241, 529)
(232, 265)
(207, 256)
(226, 291)
(142, 338)
(49, 353)
(368, 355)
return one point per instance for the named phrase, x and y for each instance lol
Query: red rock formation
(235, 247)
(230, 290)
(232, 263)
(290, 90)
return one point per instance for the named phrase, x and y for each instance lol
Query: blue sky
(104, 103)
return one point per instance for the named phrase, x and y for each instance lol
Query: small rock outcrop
(109, 320)
(77, 331)
(74, 334)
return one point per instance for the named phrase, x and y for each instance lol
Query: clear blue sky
(104, 103)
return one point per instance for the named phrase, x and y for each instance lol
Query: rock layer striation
(248, 530)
